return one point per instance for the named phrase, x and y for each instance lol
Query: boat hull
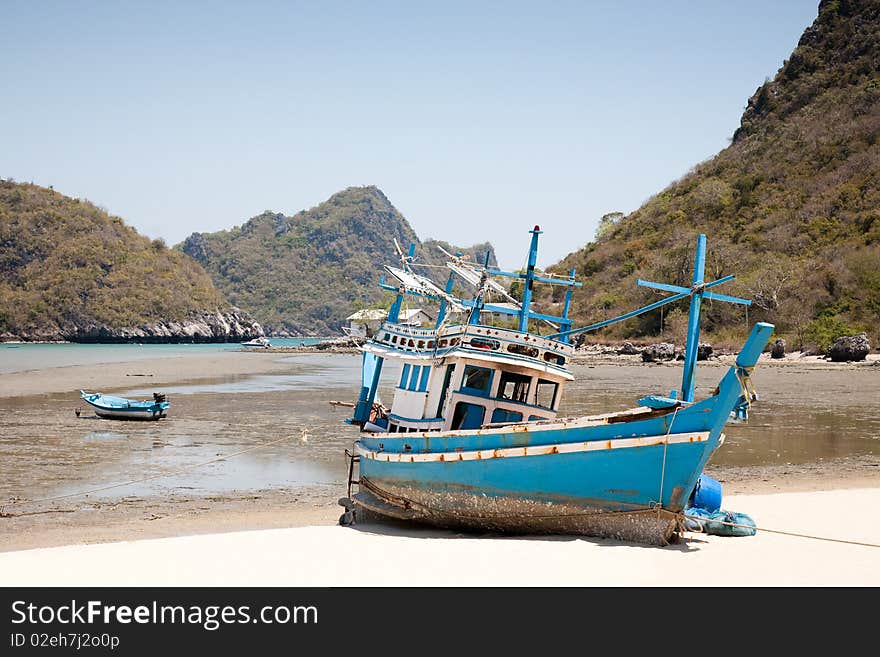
(113, 414)
(608, 487)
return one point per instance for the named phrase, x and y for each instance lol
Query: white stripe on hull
(536, 450)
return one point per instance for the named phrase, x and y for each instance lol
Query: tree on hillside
(606, 223)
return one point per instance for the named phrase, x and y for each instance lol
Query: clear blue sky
(477, 119)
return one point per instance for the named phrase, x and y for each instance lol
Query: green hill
(304, 274)
(792, 206)
(72, 272)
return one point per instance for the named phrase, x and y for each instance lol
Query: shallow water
(804, 415)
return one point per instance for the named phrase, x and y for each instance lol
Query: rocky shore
(232, 325)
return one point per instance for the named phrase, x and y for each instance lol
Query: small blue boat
(120, 408)
(473, 438)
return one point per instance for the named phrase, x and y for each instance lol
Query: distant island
(303, 275)
(71, 272)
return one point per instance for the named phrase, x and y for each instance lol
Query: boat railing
(475, 337)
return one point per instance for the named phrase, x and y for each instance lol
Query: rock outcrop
(658, 352)
(849, 347)
(778, 349)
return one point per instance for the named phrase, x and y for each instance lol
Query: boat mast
(696, 292)
(529, 281)
(693, 334)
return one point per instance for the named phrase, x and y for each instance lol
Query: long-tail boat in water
(473, 438)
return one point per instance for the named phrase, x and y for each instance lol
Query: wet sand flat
(231, 401)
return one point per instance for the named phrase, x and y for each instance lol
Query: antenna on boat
(697, 292)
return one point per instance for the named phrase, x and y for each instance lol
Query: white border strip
(536, 450)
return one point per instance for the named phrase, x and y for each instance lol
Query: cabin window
(504, 415)
(484, 343)
(514, 387)
(532, 418)
(421, 344)
(430, 344)
(394, 339)
(453, 341)
(384, 337)
(404, 377)
(545, 393)
(414, 378)
(550, 357)
(412, 343)
(443, 342)
(468, 416)
(476, 380)
(392, 428)
(423, 382)
(522, 350)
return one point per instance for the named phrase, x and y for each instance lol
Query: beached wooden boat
(120, 408)
(473, 439)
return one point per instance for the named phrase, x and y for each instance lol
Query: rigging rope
(659, 504)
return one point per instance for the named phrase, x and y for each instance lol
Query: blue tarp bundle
(701, 520)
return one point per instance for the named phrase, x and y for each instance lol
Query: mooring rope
(779, 531)
(16, 503)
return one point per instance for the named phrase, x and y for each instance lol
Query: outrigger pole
(697, 292)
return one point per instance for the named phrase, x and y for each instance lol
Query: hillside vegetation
(792, 206)
(69, 270)
(303, 275)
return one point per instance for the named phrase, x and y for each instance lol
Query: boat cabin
(471, 377)
(467, 375)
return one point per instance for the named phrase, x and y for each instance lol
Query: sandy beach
(327, 555)
(294, 528)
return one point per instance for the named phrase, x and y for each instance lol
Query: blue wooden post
(567, 325)
(529, 281)
(693, 334)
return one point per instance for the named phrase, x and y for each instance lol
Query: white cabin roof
(368, 314)
(372, 314)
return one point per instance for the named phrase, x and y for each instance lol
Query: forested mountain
(304, 274)
(70, 271)
(792, 206)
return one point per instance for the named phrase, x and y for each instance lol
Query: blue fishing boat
(473, 438)
(120, 408)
